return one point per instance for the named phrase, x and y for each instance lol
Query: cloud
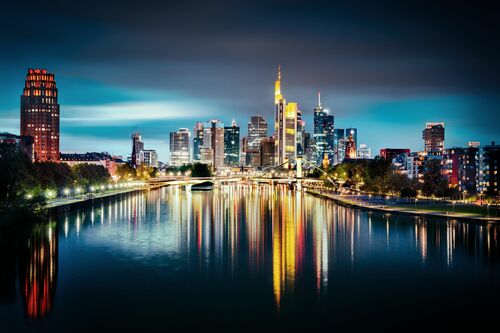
(116, 114)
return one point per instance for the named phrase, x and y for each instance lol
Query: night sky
(154, 66)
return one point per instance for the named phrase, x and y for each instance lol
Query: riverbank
(400, 210)
(61, 202)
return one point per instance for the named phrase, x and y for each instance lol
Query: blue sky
(153, 67)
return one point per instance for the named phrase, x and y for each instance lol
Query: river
(245, 259)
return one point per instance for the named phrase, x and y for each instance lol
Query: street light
(66, 192)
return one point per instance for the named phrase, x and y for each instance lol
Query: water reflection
(34, 255)
(293, 244)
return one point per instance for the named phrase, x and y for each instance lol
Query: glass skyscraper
(232, 145)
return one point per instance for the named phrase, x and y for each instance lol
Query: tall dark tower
(40, 114)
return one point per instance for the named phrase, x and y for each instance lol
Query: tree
(200, 170)
(434, 183)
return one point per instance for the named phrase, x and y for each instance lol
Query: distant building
(197, 141)
(433, 136)
(488, 165)
(350, 147)
(213, 143)
(353, 132)
(390, 153)
(339, 145)
(232, 145)
(463, 171)
(309, 147)
(364, 152)
(285, 126)
(179, 147)
(40, 114)
(301, 128)
(324, 133)
(257, 130)
(24, 143)
(106, 160)
(267, 154)
(150, 158)
(137, 148)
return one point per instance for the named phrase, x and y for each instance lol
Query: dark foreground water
(242, 259)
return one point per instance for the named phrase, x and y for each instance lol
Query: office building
(285, 126)
(257, 130)
(232, 145)
(364, 152)
(137, 148)
(149, 157)
(197, 141)
(213, 143)
(40, 114)
(433, 136)
(267, 153)
(179, 147)
(324, 133)
(488, 175)
(24, 143)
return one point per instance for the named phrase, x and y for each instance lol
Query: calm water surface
(243, 259)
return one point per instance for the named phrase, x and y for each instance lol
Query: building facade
(40, 114)
(285, 126)
(257, 130)
(433, 136)
(137, 148)
(179, 147)
(232, 145)
(149, 157)
(197, 141)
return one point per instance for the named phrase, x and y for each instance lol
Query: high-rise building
(150, 158)
(179, 147)
(285, 125)
(364, 152)
(339, 145)
(40, 114)
(257, 130)
(350, 147)
(488, 167)
(137, 148)
(324, 133)
(433, 136)
(301, 129)
(354, 133)
(232, 145)
(197, 141)
(213, 143)
(267, 152)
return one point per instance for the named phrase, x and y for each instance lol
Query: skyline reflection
(292, 245)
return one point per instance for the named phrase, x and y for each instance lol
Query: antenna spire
(319, 98)
(279, 72)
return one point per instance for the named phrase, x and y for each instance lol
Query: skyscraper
(40, 114)
(150, 158)
(285, 125)
(301, 128)
(197, 141)
(354, 133)
(324, 135)
(213, 143)
(137, 148)
(232, 145)
(257, 130)
(433, 136)
(339, 145)
(350, 147)
(179, 147)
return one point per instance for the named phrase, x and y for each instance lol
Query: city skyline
(375, 77)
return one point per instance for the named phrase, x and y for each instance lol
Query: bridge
(272, 175)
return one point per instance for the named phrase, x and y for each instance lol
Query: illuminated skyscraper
(301, 128)
(232, 145)
(285, 125)
(354, 133)
(197, 141)
(137, 148)
(433, 136)
(324, 135)
(350, 147)
(179, 147)
(257, 130)
(213, 143)
(40, 114)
